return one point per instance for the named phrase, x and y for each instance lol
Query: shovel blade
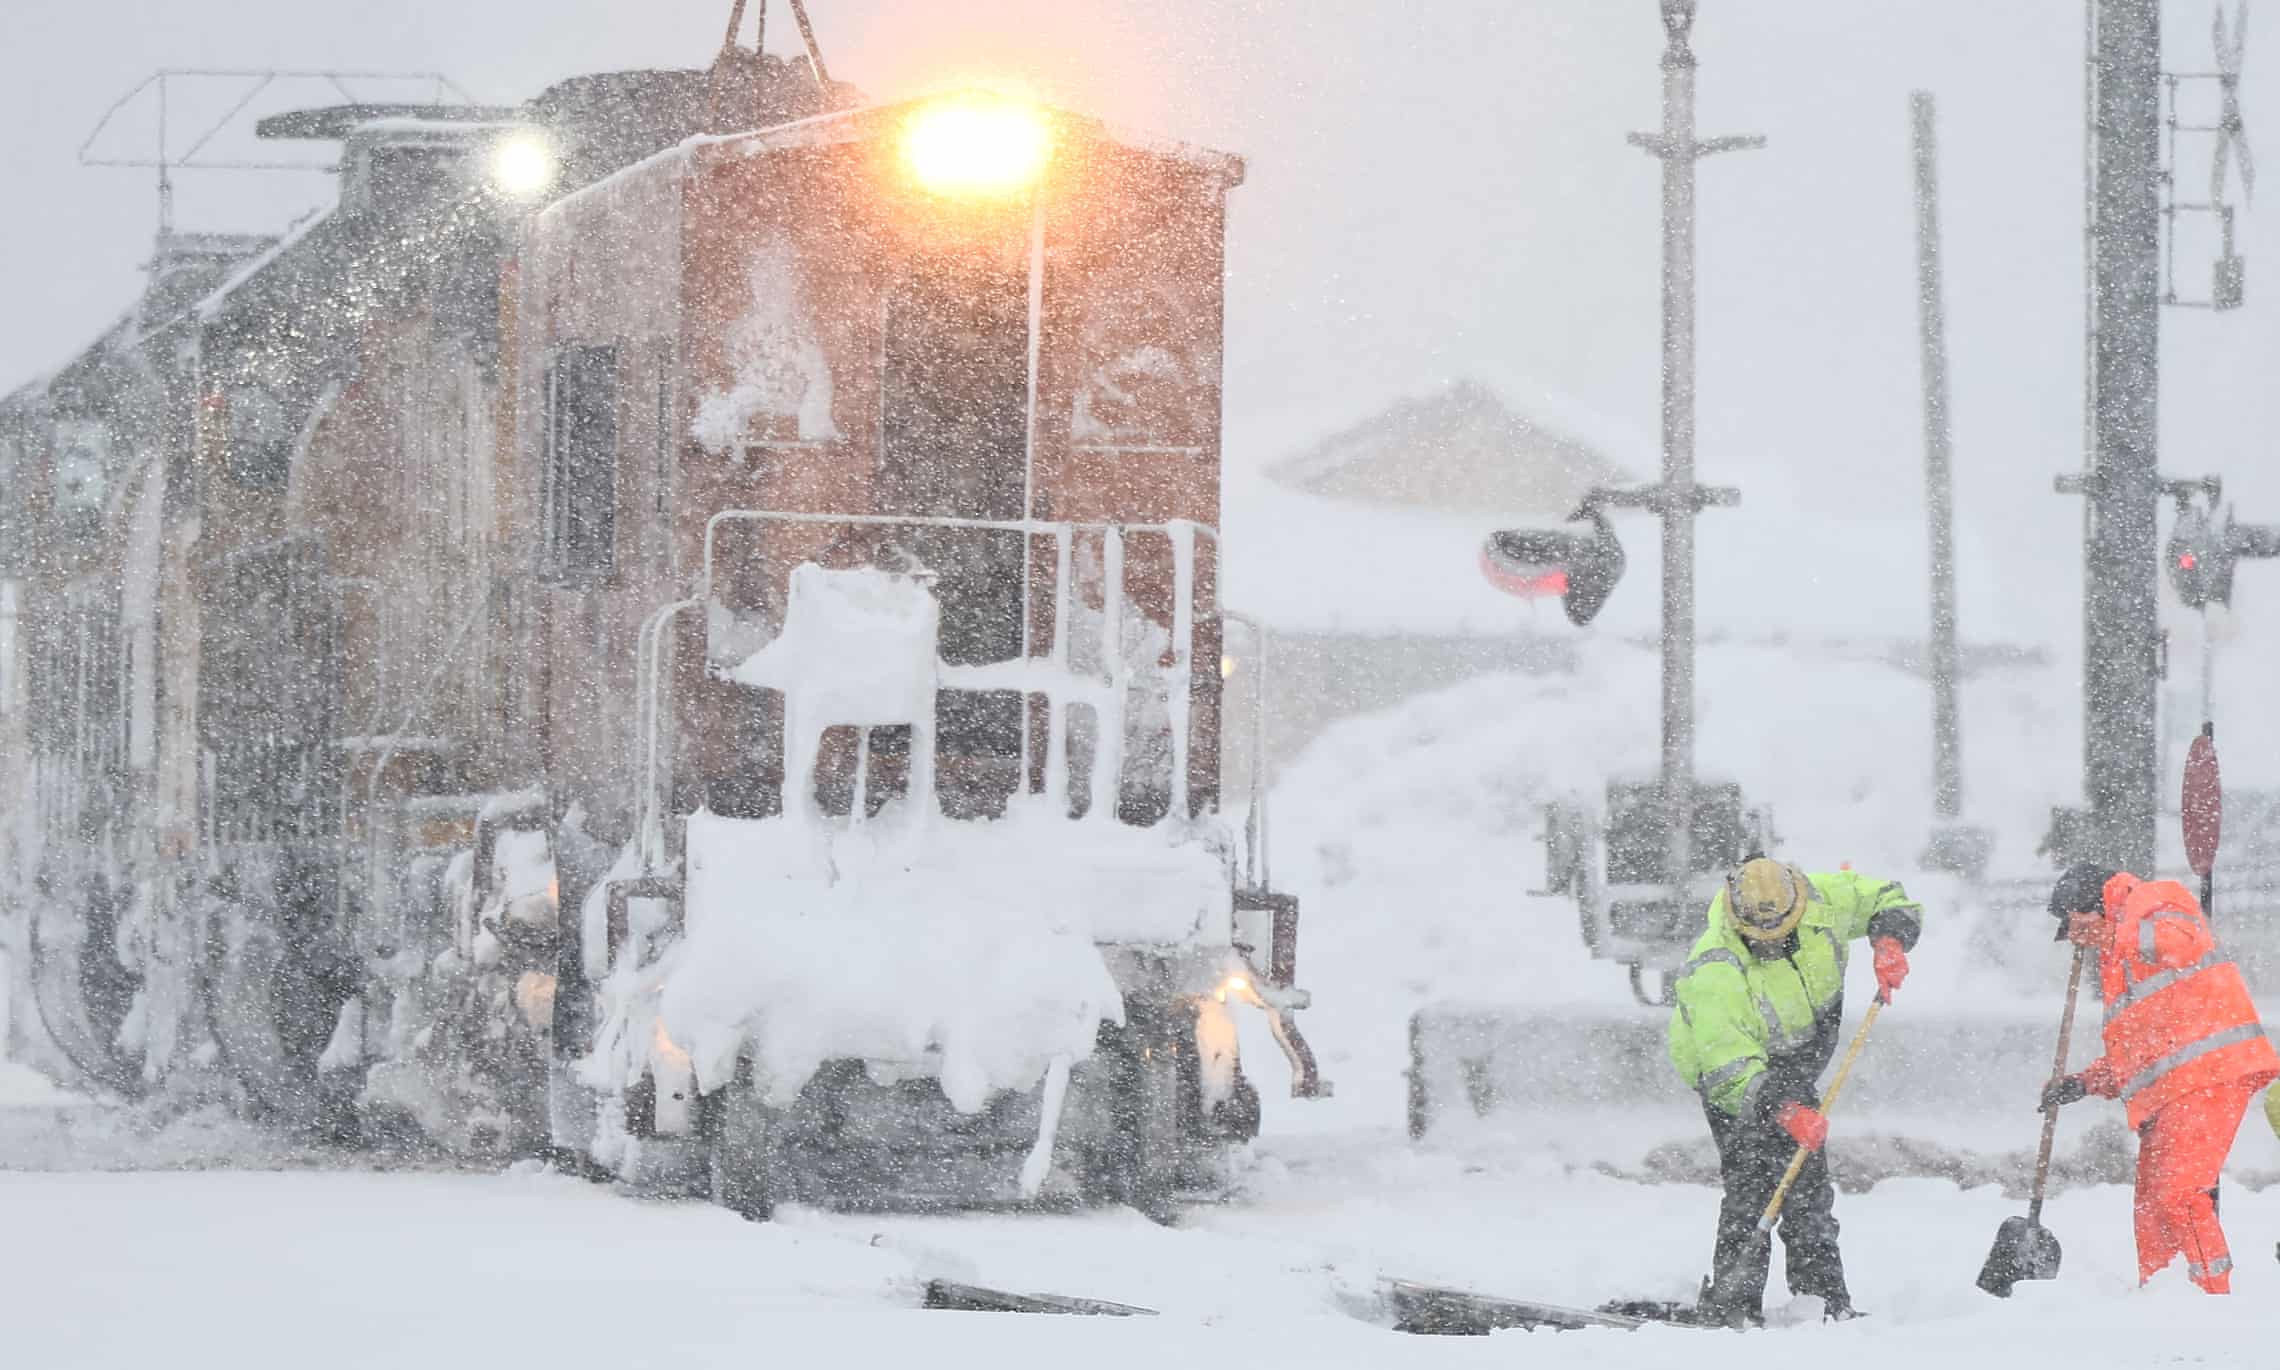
(2023, 1251)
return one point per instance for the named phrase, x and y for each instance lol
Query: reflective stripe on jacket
(1749, 1031)
(2178, 1015)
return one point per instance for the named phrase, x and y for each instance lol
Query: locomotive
(674, 628)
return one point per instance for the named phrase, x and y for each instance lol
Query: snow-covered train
(676, 626)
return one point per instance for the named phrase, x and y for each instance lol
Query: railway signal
(1581, 568)
(2200, 563)
(2206, 545)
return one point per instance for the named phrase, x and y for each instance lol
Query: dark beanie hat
(2082, 889)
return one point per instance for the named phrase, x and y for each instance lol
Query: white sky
(1435, 191)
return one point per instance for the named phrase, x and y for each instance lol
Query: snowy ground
(255, 1269)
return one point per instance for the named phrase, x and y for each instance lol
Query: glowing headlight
(522, 165)
(976, 146)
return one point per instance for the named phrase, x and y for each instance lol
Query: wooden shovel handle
(2058, 1068)
(1828, 1102)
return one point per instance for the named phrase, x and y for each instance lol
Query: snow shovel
(2024, 1248)
(1763, 1237)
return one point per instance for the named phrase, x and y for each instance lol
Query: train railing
(1031, 671)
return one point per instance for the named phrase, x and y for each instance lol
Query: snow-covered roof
(117, 336)
(435, 128)
(1461, 447)
(211, 306)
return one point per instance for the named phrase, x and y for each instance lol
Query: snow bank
(1413, 839)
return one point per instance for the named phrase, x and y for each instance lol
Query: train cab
(874, 466)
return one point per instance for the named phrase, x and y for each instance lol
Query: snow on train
(693, 650)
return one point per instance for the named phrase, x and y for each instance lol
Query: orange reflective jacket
(2178, 1016)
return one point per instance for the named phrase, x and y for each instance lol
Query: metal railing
(1108, 759)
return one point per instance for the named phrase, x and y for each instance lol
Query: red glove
(1891, 966)
(1806, 1125)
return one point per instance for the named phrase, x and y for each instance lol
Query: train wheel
(743, 1161)
(1157, 1157)
(1138, 1163)
(80, 990)
(281, 982)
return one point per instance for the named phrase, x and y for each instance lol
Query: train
(674, 628)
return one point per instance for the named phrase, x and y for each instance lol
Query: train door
(953, 443)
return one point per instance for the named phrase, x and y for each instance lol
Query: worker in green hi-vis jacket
(1760, 1003)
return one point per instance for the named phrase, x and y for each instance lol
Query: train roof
(184, 268)
(869, 122)
(333, 123)
(872, 121)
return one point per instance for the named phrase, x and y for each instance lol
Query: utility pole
(1931, 319)
(1677, 499)
(2121, 629)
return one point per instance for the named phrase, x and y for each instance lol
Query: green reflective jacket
(1746, 1027)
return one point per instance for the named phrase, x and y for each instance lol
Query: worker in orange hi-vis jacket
(2184, 1053)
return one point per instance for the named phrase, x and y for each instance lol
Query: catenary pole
(1678, 499)
(2121, 625)
(1931, 321)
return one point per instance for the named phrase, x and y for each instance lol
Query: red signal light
(1529, 583)
(1577, 568)
(2186, 561)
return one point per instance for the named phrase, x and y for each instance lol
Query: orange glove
(1806, 1125)
(1891, 966)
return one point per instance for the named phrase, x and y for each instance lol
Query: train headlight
(976, 146)
(523, 165)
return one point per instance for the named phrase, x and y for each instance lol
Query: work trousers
(1752, 1155)
(2181, 1151)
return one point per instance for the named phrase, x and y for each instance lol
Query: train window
(261, 438)
(82, 477)
(579, 478)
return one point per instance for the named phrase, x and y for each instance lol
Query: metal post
(1931, 322)
(1036, 322)
(1678, 439)
(165, 183)
(1678, 499)
(2120, 650)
